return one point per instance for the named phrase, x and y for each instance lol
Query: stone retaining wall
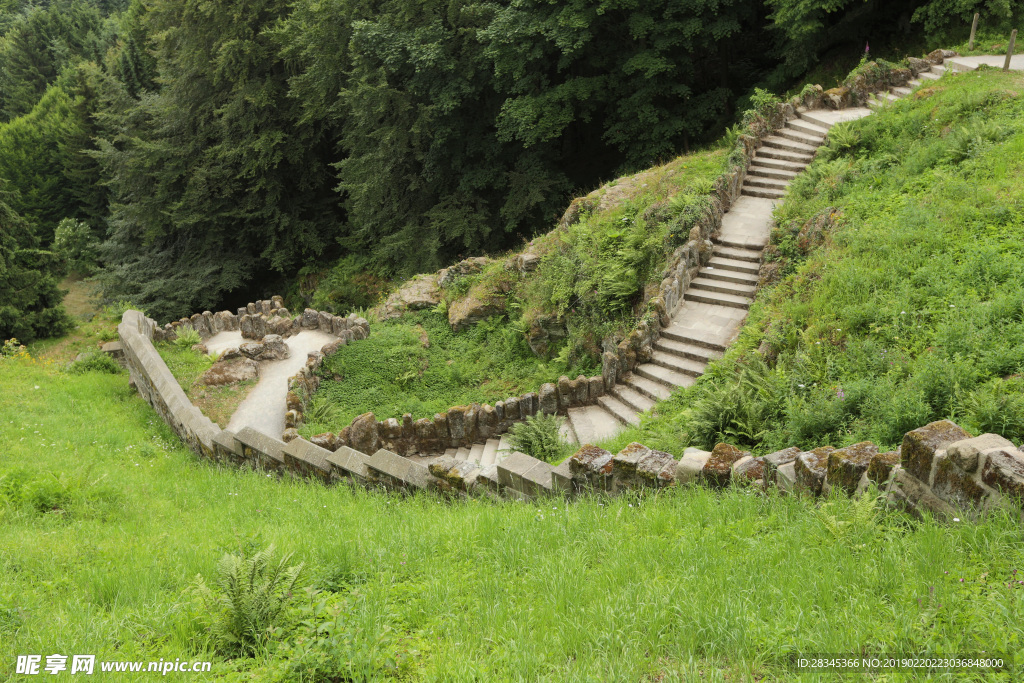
(939, 468)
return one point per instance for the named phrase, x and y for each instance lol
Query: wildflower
(961, 580)
(956, 519)
(840, 394)
(800, 385)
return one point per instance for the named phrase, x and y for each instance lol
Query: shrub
(247, 600)
(187, 337)
(95, 361)
(539, 436)
(76, 242)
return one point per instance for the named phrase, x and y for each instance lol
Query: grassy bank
(900, 301)
(107, 521)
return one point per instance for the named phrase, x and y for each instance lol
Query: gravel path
(264, 408)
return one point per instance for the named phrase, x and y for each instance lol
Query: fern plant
(187, 337)
(249, 596)
(539, 436)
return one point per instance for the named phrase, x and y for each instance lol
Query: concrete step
(490, 454)
(722, 263)
(802, 137)
(642, 385)
(779, 142)
(591, 424)
(664, 376)
(738, 253)
(914, 82)
(476, 452)
(462, 453)
(619, 410)
(782, 155)
(567, 433)
(718, 299)
(686, 336)
(928, 75)
(763, 192)
(769, 172)
(712, 285)
(773, 183)
(632, 398)
(689, 350)
(684, 366)
(730, 276)
(901, 92)
(938, 69)
(451, 452)
(781, 164)
(504, 449)
(805, 126)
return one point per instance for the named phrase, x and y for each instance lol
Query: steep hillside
(896, 273)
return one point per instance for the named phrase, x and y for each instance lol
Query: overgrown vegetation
(539, 436)
(418, 365)
(901, 295)
(187, 366)
(623, 588)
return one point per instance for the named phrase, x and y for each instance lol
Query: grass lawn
(107, 521)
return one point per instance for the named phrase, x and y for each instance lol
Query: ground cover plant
(417, 365)
(108, 521)
(900, 299)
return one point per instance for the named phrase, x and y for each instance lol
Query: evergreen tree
(30, 301)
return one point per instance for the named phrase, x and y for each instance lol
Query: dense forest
(192, 153)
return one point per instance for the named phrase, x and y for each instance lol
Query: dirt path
(264, 408)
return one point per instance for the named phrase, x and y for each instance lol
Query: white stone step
(462, 453)
(737, 253)
(779, 142)
(722, 263)
(901, 92)
(782, 164)
(591, 424)
(773, 183)
(476, 451)
(451, 452)
(729, 276)
(490, 454)
(504, 449)
(802, 137)
(619, 410)
(928, 75)
(689, 350)
(632, 398)
(684, 366)
(782, 155)
(763, 192)
(718, 299)
(709, 339)
(806, 126)
(712, 285)
(669, 378)
(769, 172)
(649, 388)
(829, 117)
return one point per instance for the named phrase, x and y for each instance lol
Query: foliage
(75, 241)
(539, 436)
(96, 361)
(247, 600)
(187, 337)
(417, 365)
(30, 302)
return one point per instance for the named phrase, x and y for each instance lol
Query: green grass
(906, 306)
(676, 586)
(417, 365)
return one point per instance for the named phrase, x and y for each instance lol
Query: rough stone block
(690, 466)
(327, 441)
(548, 399)
(717, 470)
(1003, 470)
(957, 487)
(774, 461)
(919, 446)
(811, 468)
(785, 477)
(847, 465)
(965, 452)
(595, 389)
(881, 466)
(592, 466)
(656, 469)
(363, 435)
(749, 471)
(910, 494)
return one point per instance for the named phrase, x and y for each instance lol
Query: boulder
(528, 260)
(548, 399)
(717, 471)
(881, 466)
(477, 305)
(279, 326)
(565, 393)
(837, 98)
(274, 348)
(418, 293)
(749, 471)
(253, 350)
(310, 319)
(592, 466)
(810, 469)
(774, 461)
(545, 334)
(690, 466)
(468, 266)
(327, 440)
(920, 445)
(847, 465)
(1003, 470)
(965, 453)
(362, 434)
(230, 372)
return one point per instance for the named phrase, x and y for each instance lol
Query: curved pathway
(264, 408)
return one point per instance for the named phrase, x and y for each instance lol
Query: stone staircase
(492, 452)
(716, 302)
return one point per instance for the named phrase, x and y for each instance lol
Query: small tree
(75, 241)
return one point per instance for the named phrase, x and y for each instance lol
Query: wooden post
(974, 29)
(1009, 50)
